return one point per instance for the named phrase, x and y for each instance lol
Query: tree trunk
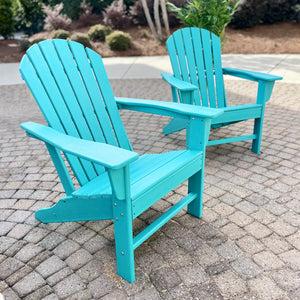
(148, 18)
(165, 16)
(157, 18)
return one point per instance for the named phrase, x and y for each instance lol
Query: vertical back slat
(40, 94)
(51, 85)
(178, 41)
(93, 90)
(190, 57)
(66, 89)
(208, 59)
(70, 67)
(109, 99)
(199, 57)
(216, 50)
(173, 57)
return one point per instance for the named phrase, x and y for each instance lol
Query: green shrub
(81, 38)
(253, 12)
(24, 44)
(98, 6)
(118, 40)
(99, 32)
(6, 18)
(30, 16)
(60, 34)
(36, 41)
(70, 8)
(213, 15)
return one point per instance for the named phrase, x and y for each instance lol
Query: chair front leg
(197, 138)
(122, 213)
(263, 95)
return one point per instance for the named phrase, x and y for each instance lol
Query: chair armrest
(170, 109)
(177, 83)
(106, 155)
(250, 75)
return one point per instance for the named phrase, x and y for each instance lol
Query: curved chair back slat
(195, 56)
(72, 90)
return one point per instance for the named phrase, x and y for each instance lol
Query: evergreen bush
(253, 12)
(30, 16)
(6, 18)
(118, 40)
(81, 38)
(60, 34)
(99, 32)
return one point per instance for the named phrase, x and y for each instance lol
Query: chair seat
(151, 177)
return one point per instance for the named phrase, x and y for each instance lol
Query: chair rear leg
(258, 126)
(124, 241)
(195, 185)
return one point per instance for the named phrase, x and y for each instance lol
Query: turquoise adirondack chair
(195, 56)
(72, 90)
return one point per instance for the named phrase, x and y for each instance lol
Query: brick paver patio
(246, 246)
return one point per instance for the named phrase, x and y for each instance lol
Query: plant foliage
(70, 8)
(99, 32)
(60, 34)
(82, 39)
(54, 19)
(213, 15)
(30, 16)
(6, 18)
(253, 12)
(118, 40)
(115, 15)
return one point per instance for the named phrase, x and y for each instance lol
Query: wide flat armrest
(250, 75)
(106, 155)
(177, 83)
(170, 109)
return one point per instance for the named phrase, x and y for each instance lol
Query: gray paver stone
(268, 261)
(229, 250)
(164, 279)
(59, 276)
(9, 266)
(51, 241)
(65, 249)
(192, 275)
(18, 275)
(286, 279)
(28, 284)
(230, 284)
(207, 291)
(5, 227)
(50, 266)
(69, 286)
(150, 293)
(246, 268)
(101, 286)
(39, 293)
(292, 258)
(78, 259)
(265, 288)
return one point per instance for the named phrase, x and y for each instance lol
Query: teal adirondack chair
(195, 56)
(72, 90)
